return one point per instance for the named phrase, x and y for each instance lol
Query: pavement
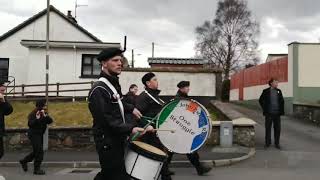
(215, 156)
(299, 158)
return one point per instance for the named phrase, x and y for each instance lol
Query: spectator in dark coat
(131, 96)
(5, 110)
(272, 104)
(38, 121)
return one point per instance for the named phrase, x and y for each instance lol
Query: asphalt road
(299, 158)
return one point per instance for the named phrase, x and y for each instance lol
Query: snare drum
(143, 161)
(189, 122)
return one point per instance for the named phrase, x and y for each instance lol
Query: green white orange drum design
(190, 122)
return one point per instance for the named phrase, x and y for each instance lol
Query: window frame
(7, 76)
(83, 64)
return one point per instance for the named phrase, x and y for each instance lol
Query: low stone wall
(63, 139)
(242, 135)
(243, 128)
(60, 139)
(307, 112)
(81, 138)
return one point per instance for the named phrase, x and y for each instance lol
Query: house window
(90, 66)
(4, 69)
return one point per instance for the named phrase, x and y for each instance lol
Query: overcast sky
(171, 23)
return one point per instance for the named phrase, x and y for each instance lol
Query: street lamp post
(132, 58)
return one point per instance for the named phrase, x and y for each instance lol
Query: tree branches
(230, 40)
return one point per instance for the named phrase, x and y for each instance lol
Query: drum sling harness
(107, 82)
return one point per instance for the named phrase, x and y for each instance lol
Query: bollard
(226, 133)
(46, 140)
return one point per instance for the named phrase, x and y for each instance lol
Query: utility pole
(132, 58)
(47, 50)
(152, 49)
(46, 134)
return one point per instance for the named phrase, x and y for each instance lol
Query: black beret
(147, 77)
(40, 103)
(109, 53)
(183, 84)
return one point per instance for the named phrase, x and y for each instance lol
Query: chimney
(69, 15)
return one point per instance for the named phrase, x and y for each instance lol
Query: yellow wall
(309, 65)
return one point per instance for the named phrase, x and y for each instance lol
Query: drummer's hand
(150, 129)
(136, 113)
(2, 98)
(138, 129)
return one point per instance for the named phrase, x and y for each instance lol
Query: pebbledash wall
(298, 75)
(205, 83)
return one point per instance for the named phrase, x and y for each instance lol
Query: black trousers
(111, 158)
(194, 158)
(1, 147)
(37, 151)
(276, 121)
(152, 139)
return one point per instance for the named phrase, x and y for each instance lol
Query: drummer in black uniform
(110, 127)
(183, 91)
(149, 104)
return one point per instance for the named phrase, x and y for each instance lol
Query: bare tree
(229, 40)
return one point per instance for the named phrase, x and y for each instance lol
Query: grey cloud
(172, 22)
(285, 9)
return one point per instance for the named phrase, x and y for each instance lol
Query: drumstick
(145, 117)
(171, 130)
(137, 134)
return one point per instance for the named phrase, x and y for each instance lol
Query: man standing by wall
(272, 103)
(5, 109)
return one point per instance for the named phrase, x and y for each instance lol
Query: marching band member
(183, 91)
(110, 127)
(149, 104)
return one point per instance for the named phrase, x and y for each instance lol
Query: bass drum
(143, 161)
(189, 123)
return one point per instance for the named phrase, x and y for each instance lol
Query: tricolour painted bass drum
(184, 126)
(143, 161)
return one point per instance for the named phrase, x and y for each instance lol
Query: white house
(72, 60)
(72, 51)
